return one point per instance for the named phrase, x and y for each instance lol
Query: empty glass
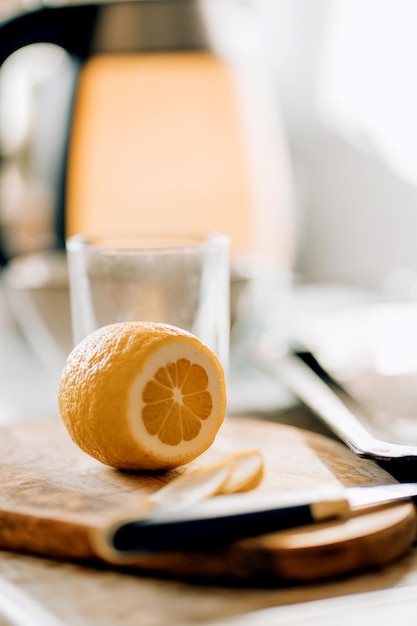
(178, 280)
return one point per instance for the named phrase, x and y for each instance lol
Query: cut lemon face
(175, 401)
(140, 395)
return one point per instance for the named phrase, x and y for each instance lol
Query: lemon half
(142, 395)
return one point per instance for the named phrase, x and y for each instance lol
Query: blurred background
(332, 164)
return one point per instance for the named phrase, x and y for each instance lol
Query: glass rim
(146, 242)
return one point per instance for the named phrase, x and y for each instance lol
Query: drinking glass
(178, 280)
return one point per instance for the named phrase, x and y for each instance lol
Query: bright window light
(367, 85)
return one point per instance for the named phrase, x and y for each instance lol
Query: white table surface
(27, 389)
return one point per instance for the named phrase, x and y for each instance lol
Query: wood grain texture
(54, 498)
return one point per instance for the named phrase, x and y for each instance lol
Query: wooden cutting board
(54, 498)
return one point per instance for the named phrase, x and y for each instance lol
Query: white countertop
(26, 388)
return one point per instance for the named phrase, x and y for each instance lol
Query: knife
(227, 518)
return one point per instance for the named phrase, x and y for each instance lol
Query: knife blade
(224, 519)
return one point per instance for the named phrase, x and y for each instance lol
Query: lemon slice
(187, 489)
(143, 396)
(237, 472)
(246, 470)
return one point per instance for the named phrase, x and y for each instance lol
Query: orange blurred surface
(157, 144)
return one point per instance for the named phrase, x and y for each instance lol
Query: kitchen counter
(39, 591)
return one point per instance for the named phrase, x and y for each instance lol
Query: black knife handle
(152, 535)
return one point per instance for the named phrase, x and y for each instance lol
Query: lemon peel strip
(246, 472)
(234, 473)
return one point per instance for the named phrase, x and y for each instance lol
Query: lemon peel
(238, 472)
